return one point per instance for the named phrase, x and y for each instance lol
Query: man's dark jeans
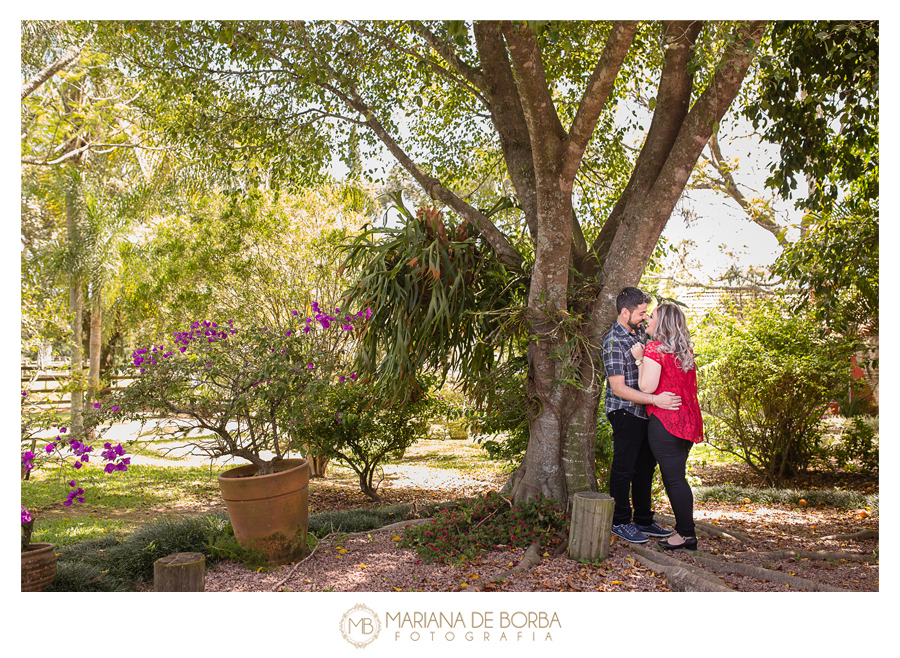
(631, 472)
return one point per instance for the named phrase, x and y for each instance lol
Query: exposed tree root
(760, 573)
(812, 555)
(681, 577)
(531, 558)
(861, 535)
(706, 529)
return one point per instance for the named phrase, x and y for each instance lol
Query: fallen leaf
(362, 566)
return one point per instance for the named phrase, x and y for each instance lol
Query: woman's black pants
(671, 453)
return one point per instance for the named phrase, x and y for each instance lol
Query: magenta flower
(311, 366)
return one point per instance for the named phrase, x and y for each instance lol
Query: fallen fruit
(802, 503)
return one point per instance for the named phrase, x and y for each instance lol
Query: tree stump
(180, 572)
(590, 526)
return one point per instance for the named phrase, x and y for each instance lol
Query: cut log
(180, 572)
(590, 526)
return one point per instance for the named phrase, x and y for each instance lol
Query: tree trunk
(591, 526)
(76, 306)
(180, 572)
(95, 342)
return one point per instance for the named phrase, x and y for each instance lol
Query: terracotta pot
(269, 513)
(38, 567)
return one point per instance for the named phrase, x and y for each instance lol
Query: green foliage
(857, 446)
(484, 523)
(818, 100)
(126, 563)
(357, 422)
(765, 381)
(441, 297)
(835, 267)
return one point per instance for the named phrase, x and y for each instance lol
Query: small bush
(482, 524)
(125, 563)
(359, 424)
(765, 382)
(858, 444)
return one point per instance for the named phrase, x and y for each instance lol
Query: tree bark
(95, 342)
(180, 572)
(590, 526)
(76, 307)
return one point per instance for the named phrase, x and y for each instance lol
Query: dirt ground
(761, 548)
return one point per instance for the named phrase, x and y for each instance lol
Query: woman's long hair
(672, 332)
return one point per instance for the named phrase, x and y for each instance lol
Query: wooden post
(180, 572)
(590, 526)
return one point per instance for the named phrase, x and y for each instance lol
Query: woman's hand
(638, 351)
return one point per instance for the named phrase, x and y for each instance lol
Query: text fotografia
(478, 626)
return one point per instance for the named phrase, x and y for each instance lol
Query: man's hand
(667, 400)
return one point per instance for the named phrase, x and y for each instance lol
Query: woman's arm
(648, 370)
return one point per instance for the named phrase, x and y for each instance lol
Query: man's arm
(665, 400)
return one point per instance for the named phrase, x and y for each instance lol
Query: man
(631, 472)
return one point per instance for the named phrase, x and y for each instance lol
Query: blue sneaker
(629, 532)
(655, 530)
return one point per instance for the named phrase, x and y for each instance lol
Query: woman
(667, 364)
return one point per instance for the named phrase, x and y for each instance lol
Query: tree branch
(505, 251)
(41, 77)
(594, 99)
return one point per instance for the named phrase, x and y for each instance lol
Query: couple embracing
(651, 403)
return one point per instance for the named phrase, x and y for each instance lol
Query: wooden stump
(180, 572)
(590, 526)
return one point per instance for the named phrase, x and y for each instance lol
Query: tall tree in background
(78, 124)
(281, 97)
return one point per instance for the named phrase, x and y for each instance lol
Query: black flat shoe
(690, 543)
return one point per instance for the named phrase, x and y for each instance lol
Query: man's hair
(631, 298)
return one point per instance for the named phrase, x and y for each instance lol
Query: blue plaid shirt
(618, 360)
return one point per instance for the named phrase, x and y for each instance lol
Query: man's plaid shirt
(618, 360)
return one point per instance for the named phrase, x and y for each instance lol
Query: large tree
(275, 99)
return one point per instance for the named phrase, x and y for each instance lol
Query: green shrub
(857, 446)
(483, 523)
(358, 423)
(765, 381)
(128, 562)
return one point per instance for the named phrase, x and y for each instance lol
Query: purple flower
(294, 312)
(288, 332)
(342, 378)
(114, 409)
(353, 376)
(311, 366)
(26, 515)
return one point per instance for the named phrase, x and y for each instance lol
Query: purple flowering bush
(66, 450)
(246, 388)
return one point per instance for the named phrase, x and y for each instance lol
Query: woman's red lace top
(686, 422)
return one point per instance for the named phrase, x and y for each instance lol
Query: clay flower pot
(38, 567)
(269, 513)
